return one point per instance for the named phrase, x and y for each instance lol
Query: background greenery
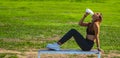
(31, 24)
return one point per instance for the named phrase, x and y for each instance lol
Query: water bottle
(89, 11)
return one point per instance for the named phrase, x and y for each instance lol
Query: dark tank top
(89, 30)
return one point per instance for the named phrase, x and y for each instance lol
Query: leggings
(84, 44)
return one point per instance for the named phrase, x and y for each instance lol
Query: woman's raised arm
(81, 23)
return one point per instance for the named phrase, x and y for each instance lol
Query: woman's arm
(97, 30)
(81, 23)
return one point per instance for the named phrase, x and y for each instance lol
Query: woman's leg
(78, 38)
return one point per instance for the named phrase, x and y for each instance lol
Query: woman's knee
(73, 30)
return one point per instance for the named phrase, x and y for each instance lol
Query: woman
(93, 29)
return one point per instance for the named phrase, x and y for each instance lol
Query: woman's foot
(54, 46)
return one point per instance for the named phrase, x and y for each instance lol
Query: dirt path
(25, 54)
(33, 54)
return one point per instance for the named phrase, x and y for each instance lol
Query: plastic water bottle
(89, 11)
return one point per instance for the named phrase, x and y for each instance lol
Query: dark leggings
(84, 44)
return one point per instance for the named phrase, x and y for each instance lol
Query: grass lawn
(33, 24)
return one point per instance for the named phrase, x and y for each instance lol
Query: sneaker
(54, 46)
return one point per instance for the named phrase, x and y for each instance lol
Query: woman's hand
(100, 50)
(86, 14)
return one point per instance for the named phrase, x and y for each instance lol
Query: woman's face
(95, 16)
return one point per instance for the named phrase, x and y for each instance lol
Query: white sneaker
(54, 46)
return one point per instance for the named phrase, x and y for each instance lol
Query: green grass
(24, 24)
